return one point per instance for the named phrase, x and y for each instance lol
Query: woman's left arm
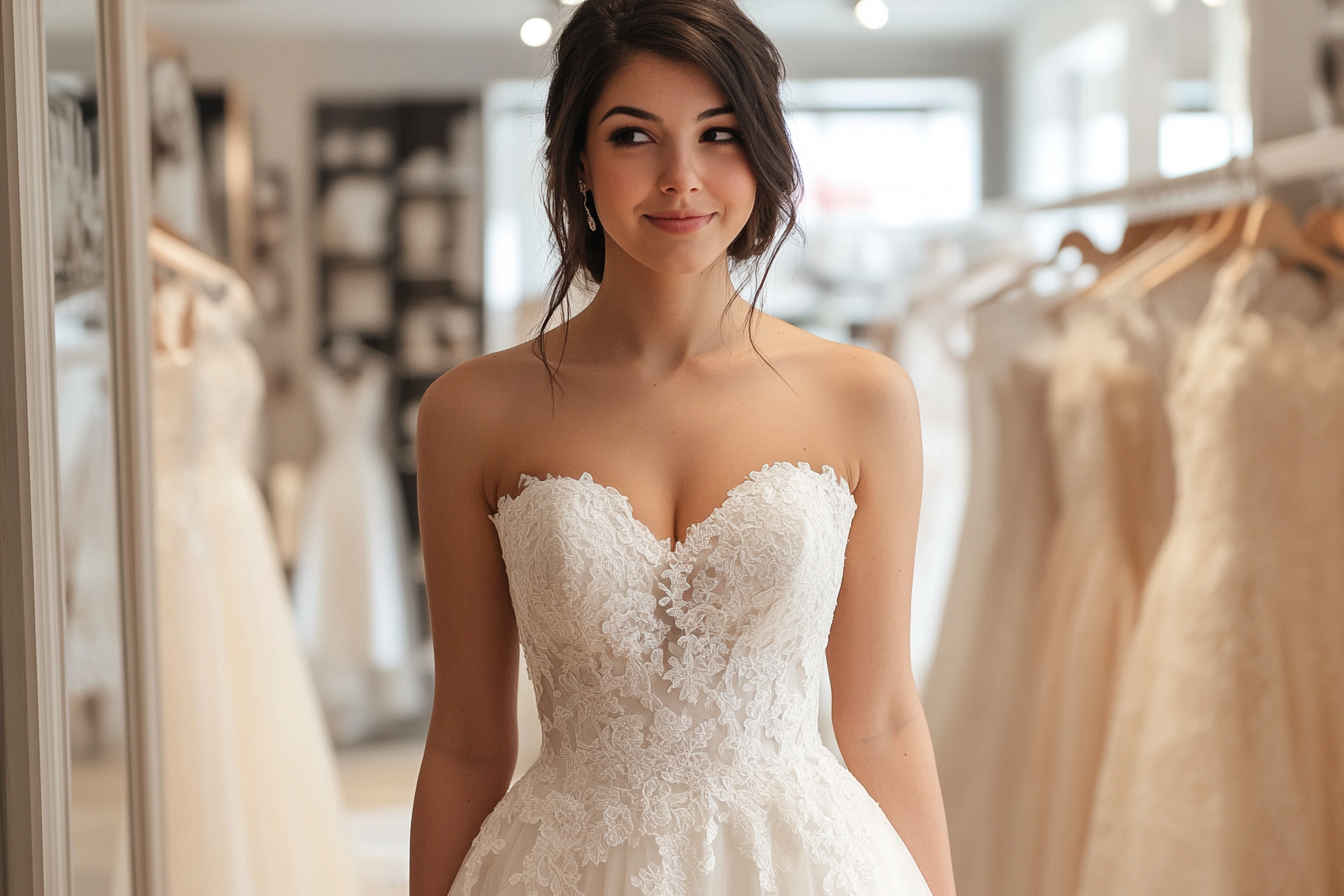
(878, 719)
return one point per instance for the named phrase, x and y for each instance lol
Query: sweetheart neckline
(827, 474)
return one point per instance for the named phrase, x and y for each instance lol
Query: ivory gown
(979, 693)
(678, 692)
(205, 829)
(1224, 772)
(283, 765)
(1116, 485)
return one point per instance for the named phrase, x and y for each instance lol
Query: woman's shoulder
(478, 394)
(859, 378)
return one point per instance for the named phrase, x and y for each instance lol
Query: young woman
(687, 512)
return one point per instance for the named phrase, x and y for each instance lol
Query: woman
(676, 666)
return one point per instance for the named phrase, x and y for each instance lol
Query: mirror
(94, 647)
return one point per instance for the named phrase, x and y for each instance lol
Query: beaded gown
(677, 687)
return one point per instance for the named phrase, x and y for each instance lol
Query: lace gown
(1116, 486)
(1224, 771)
(678, 693)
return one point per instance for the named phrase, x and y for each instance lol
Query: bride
(686, 511)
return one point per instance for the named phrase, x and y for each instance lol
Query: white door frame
(34, 785)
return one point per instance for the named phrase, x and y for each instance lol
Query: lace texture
(677, 688)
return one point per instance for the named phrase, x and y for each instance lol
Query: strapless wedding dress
(677, 688)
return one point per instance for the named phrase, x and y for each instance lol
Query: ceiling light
(872, 14)
(1164, 7)
(1214, 3)
(535, 32)
(570, 2)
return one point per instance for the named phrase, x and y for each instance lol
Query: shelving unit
(415, 165)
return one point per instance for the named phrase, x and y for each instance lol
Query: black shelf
(443, 125)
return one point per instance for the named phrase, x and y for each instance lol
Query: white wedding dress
(352, 590)
(252, 798)
(677, 687)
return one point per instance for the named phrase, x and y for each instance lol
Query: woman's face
(665, 161)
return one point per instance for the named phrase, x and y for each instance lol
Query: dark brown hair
(720, 39)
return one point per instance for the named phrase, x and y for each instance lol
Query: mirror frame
(35, 786)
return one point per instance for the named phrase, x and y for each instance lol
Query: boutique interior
(1104, 237)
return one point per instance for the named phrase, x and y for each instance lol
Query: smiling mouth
(679, 222)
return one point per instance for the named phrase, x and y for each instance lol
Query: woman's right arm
(473, 732)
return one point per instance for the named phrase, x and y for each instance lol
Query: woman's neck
(659, 320)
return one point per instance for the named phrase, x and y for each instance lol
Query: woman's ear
(583, 167)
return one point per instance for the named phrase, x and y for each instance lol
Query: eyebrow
(649, 116)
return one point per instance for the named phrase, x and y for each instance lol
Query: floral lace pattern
(677, 687)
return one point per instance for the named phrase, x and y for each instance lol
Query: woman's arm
(879, 721)
(473, 733)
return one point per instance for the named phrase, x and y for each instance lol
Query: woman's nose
(679, 174)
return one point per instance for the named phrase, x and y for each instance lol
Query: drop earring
(583, 191)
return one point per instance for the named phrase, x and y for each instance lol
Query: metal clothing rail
(1315, 155)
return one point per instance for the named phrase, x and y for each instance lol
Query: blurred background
(1032, 204)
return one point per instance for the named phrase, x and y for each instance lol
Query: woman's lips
(679, 223)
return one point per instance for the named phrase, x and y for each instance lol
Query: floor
(379, 782)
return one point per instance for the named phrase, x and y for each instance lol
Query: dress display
(1223, 768)
(352, 594)
(678, 694)
(205, 843)
(978, 695)
(244, 735)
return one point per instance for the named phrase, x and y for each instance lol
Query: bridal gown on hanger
(1224, 771)
(1117, 486)
(285, 767)
(678, 693)
(979, 689)
(352, 594)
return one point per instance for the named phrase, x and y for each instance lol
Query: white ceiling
(501, 18)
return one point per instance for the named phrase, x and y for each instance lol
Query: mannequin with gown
(352, 594)
(241, 718)
(1222, 774)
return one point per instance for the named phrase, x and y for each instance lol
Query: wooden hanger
(1324, 227)
(1216, 241)
(180, 256)
(1076, 239)
(1269, 225)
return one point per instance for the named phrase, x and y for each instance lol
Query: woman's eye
(630, 137)
(721, 135)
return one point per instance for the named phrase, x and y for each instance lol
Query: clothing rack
(1310, 156)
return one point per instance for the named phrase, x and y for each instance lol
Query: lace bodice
(677, 687)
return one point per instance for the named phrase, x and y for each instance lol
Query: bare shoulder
(858, 380)
(467, 410)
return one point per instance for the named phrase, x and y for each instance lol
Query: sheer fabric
(677, 687)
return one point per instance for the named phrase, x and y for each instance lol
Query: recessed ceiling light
(1164, 7)
(1214, 3)
(570, 2)
(535, 32)
(872, 14)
